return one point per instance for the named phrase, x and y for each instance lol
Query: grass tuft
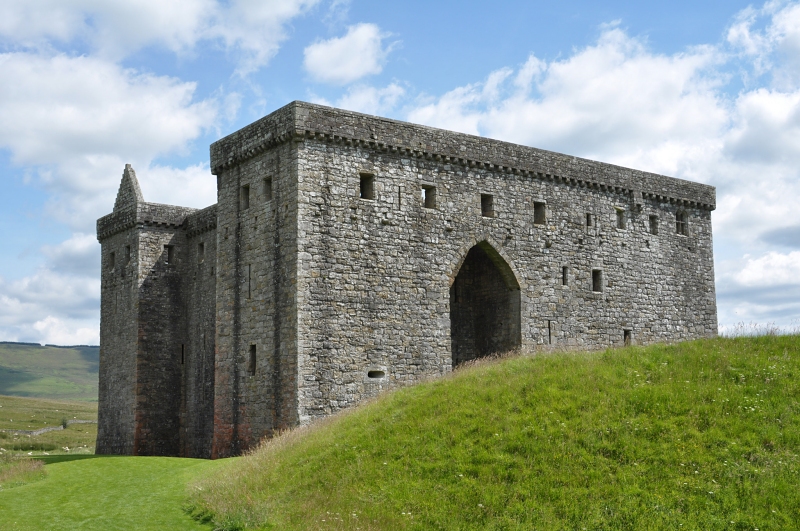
(698, 435)
(16, 471)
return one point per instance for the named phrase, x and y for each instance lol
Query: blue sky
(707, 91)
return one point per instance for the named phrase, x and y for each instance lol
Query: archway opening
(484, 306)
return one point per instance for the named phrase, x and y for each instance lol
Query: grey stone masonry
(348, 254)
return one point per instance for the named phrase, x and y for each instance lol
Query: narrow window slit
(251, 362)
(245, 203)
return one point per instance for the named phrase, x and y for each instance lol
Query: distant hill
(58, 373)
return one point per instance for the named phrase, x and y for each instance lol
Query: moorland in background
(57, 373)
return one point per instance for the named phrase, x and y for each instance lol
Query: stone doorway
(484, 306)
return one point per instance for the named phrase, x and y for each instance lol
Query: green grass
(31, 414)
(701, 435)
(105, 493)
(59, 373)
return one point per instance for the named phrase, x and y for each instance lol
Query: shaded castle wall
(256, 301)
(197, 406)
(118, 345)
(149, 403)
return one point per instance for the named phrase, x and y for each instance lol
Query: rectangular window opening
(588, 220)
(653, 224)
(597, 280)
(201, 252)
(681, 219)
(429, 196)
(268, 189)
(367, 186)
(487, 205)
(183, 354)
(565, 276)
(549, 332)
(251, 362)
(539, 213)
(127, 254)
(112, 258)
(626, 337)
(620, 219)
(169, 254)
(245, 203)
(249, 282)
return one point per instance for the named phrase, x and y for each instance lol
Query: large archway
(484, 306)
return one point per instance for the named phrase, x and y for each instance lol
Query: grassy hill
(701, 435)
(32, 414)
(59, 373)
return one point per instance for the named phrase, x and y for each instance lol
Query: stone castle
(348, 254)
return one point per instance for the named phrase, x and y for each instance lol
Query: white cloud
(80, 119)
(772, 269)
(371, 100)
(252, 29)
(342, 60)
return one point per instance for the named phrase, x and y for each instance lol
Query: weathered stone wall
(256, 301)
(156, 378)
(118, 345)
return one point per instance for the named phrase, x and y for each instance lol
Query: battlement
(300, 120)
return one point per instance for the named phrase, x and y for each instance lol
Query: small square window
(487, 205)
(621, 220)
(429, 196)
(268, 189)
(169, 254)
(367, 186)
(597, 280)
(653, 224)
(539, 213)
(245, 199)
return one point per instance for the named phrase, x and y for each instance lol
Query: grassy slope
(31, 414)
(701, 435)
(49, 372)
(105, 493)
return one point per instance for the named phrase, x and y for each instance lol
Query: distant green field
(29, 414)
(59, 373)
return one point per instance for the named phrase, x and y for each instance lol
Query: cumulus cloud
(368, 99)
(252, 29)
(619, 102)
(342, 60)
(80, 119)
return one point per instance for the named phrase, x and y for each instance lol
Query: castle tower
(143, 356)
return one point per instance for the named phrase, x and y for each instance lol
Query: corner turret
(129, 193)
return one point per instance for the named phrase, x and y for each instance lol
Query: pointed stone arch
(485, 299)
